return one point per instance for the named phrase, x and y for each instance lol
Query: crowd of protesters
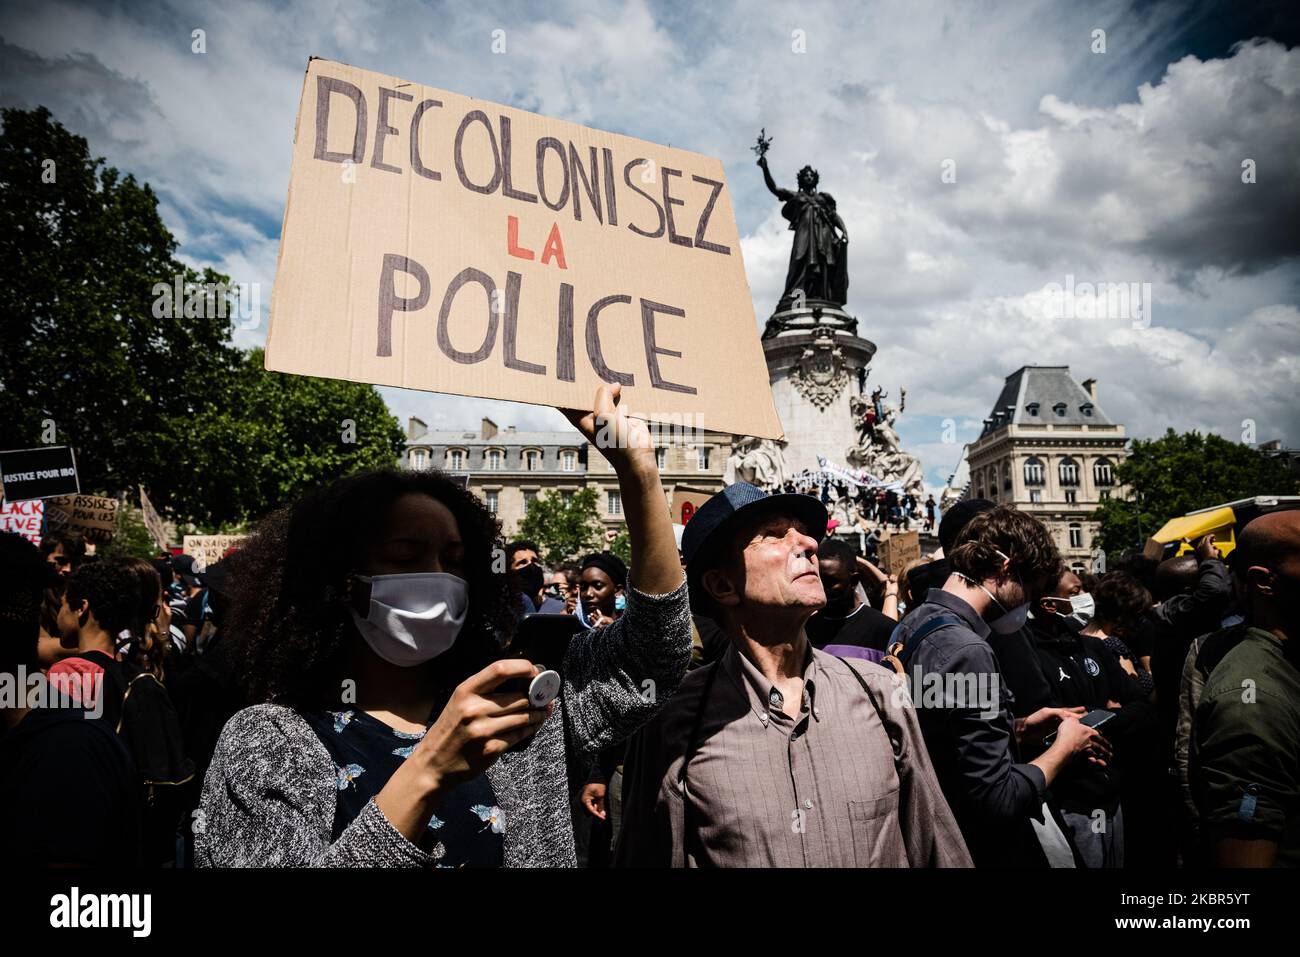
(350, 687)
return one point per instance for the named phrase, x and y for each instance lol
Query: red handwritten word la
(554, 248)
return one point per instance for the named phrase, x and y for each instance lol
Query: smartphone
(543, 640)
(1093, 719)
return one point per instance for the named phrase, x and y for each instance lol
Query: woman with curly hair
(1121, 602)
(371, 626)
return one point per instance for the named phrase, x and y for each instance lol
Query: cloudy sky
(1062, 160)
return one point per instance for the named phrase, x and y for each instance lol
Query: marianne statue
(819, 256)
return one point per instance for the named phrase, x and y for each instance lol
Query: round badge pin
(544, 689)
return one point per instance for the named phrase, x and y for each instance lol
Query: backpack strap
(898, 652)
(872, 698)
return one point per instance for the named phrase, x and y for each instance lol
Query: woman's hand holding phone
(481, 722)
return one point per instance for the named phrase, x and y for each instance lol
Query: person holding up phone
(373, 635)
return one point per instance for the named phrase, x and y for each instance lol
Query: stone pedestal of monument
(815, 369)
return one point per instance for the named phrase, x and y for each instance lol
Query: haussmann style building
(1050, 449)
(508, 469)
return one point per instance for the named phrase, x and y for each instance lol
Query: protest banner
(897, 550)
(23, 518)
(152, 520)
(686, 502)
(94, 516)
(38, 473)
(438, 242)
(208, 549)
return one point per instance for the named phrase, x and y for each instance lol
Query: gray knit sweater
(270, 793)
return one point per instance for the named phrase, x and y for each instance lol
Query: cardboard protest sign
(94, 516)
(208, 549)
(443, 243)
(897, 550)
(23, 518)
(38, 473)
(686, 502)
(152, 520)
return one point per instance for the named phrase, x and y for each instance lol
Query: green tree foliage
(276, 436)
(564, 530)
(146, 390)
(1179, 473)
(132, 538)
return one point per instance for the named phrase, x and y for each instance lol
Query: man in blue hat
(777, 754)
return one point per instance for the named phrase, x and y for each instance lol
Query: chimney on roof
(1090, 386)
(510, 428)
(488, 428)
(415, 427)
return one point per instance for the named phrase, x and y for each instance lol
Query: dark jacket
(973, 747)
(1080, 670)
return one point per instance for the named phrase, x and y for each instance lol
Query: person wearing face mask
(600, 588)
(1084, 675)
(778, 754)
(1245, 751)
(1001, 561)
(373, 641)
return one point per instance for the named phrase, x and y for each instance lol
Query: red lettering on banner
(512, 240)
(554, 248)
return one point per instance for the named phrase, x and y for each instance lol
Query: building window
(456, 459)
(530, 496)
(1086, 409)
(418, 458)
(1076, 535)
(993, 478)
(1102, 472)
(1033, 471)
(1035, 495)
(1059, 409)
(566, 496)
(1032, 408)
(1069, 472)
(1078, 568)
(661, 459)
(1104, 494)
(613, 503)
(492, 459)
(1070, 496)
(703, 457)
(492, 500)
(532, 460)
(570, 460)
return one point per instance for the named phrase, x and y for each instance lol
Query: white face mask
(1082, 608)
(413, 618)
(1011, 621)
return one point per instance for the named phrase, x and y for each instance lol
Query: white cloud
(1118, 167)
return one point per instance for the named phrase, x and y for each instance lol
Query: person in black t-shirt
(1082, 673)
(67, 785)
(847, 625)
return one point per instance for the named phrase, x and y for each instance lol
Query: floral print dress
(467, 829)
